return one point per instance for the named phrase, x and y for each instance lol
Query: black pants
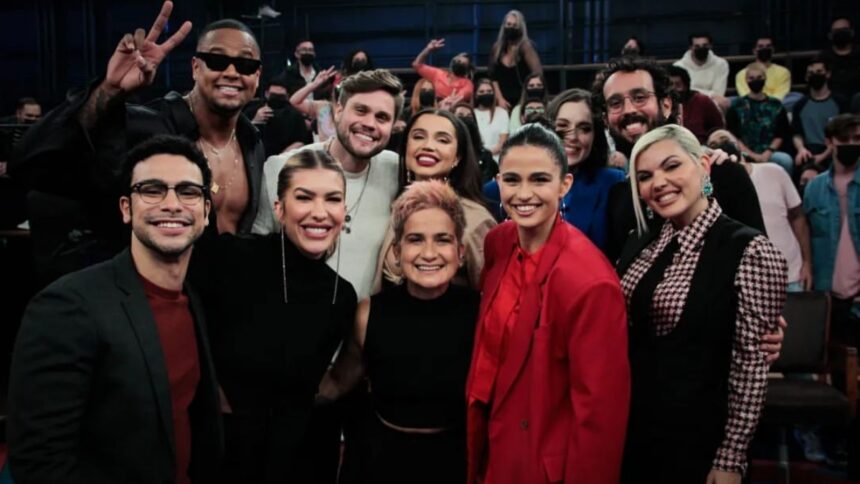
(843, 325)
(398, 457)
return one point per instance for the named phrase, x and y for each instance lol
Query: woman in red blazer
(549, 385)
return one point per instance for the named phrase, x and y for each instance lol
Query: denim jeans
(784, 160)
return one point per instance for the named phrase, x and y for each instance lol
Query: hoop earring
(707, 186)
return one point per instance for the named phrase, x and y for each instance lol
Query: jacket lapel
(142, 322)
(520, 339)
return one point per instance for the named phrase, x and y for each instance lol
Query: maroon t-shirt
(179, 345)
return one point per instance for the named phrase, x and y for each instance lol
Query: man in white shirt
(709, 73)
(369, 103)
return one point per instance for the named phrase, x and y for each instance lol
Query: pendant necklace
(349, 211)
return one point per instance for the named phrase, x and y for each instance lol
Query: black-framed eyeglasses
(153, 192)
(220, 62)
(639, 98)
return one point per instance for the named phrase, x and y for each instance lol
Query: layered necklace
(216, 153)
(347, 221)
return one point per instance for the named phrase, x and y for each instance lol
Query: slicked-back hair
(307, 160)
(370, 81)
(165, 144)
(228, 23)
(659, 78)
(534, 134)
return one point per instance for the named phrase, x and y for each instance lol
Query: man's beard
(625, 146)
(343, 138)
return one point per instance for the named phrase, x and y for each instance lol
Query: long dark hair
(465, 178)
(599, 155)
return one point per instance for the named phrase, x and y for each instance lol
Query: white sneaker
(269, 12)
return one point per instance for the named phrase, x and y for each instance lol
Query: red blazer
(559, 411)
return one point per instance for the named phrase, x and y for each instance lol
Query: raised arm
(431, 46)
(300, 100)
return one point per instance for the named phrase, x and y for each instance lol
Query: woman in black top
(512, 58)
(414, 341)
(276, 314)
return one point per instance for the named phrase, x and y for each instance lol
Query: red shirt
(179, 344)
(445, 85)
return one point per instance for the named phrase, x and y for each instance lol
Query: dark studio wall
(50, 46)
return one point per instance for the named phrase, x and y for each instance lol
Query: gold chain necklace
(231, 142)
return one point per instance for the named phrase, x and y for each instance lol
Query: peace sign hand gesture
(137, 57)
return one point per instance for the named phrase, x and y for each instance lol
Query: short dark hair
(638, 43)
(301, 41)
(696, 35)
(765, 36)
(25, 101)
(659, 77)
(598, 157)
(228, 23)
(369, 81)
(818, 59)
(280, 80)
(678, 71)
(534, 134)
(165, 144)
(346, 65)
(840, 126)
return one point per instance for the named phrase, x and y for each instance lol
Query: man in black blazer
(112, 379)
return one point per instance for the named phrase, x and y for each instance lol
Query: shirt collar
(690, 237)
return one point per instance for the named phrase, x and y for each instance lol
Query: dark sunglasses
(220, 63)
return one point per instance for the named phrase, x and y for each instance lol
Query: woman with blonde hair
(701, 292)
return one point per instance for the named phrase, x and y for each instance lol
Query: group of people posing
(610, 328)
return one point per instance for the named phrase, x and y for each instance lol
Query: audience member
(778, 78)
(281, 126)
(533, 88)
(551, 340)
(760, 122)
(512, 58)
(457, 80)
(709, 73)
(27, 112)
(831, 201)
(356, 60)
(843, 58)
(304, 70)
(112, 363)
(809, 117)
(492, 119)
(489, 167)
(698, 112)
(226, 71)
(701, 292)
(423, 97)
(319, 109)
(633, 47)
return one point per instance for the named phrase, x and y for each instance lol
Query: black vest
(679, 403)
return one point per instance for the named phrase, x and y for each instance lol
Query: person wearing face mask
(832, 205)
(512, 58)
(423, 97)
(698, 112)
(457, 80)
(304, 70)
(281, 126)
(356, 60)
(843, 57)
(533, 88)
(633, 47)
(809, 117)
(709, 73)
(760, 122)
(489, 168)
(778, 77)
(492, 119)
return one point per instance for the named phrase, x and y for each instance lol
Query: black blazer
(89, 397)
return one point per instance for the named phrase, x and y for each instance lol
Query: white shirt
(358, 247)
(709, 78)
(491, 131)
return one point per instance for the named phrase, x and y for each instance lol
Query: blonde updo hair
(679, 134)
(422, 195)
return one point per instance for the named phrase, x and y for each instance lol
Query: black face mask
(535, 92)
(484, 100)
(630, 52)
(426, 99)
(848, 154)
(701, 53)
(842, 37)
(764, 55)
(816, 81)
(277, 101)
(307, 59)
(459, 69)
(358, 65)
(512, 33)
(756, 86)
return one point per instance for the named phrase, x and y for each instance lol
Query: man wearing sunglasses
(75, 150)
(111, 378)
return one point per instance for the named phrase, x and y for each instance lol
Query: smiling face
(576, 129)
(632, 121)
(364, 123)
(431, 147)
(225, 92)
(428, 252)
(670, 182)
(165, 230)
(531, 185)
(312, 210)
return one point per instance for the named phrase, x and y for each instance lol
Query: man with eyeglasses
(111, 377)
(74, 151)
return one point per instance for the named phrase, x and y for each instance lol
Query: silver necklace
(284, 271)
(348, 218)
